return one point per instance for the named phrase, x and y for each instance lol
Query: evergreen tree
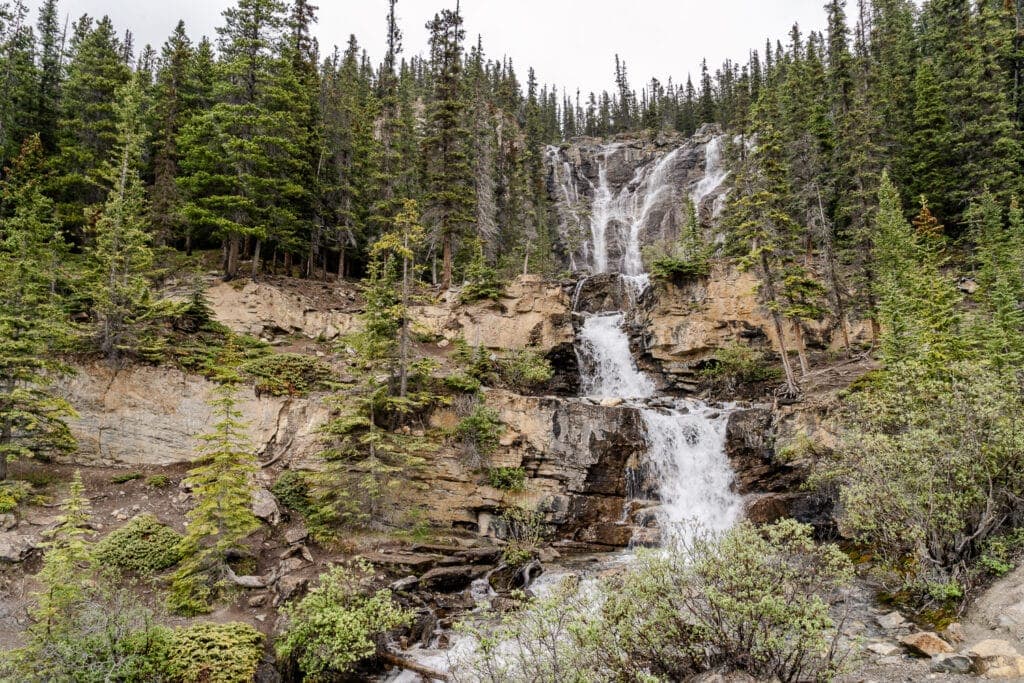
(450, 198)
(87, 129)
(32, 323)
(18, 81)
(51, 74)
(121, 256)
(221, 519)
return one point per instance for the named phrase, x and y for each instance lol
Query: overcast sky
(569, 42)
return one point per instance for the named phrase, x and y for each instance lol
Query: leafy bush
(215, 653)
(525, 370)
(12, 493)
(287, 374)
(335, 626)
(143, 545)
(507, 478)
(755, 600)
(524, 532)
(928, 469)
(478, 433)
(739, 364)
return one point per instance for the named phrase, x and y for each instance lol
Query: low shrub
(507, 478)
(215, 653)
(292, 490)
(287, 374)
(143, 545)
(738, 364)
(125, 478)
(525, 370)
(336, 625)
(12, 493)
(463, 383)
(478, 434)
(524, 532)
(158, 481)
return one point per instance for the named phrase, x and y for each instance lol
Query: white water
(715, 173)
(613, 373)
(685, 450)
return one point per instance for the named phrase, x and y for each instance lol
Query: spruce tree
(18, 81)
(222, 518)
(87, 129)
(121, 257)
(450, 198)
(51, 74)
(33, 324)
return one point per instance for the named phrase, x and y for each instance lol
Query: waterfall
(715, 172)
(685, 448)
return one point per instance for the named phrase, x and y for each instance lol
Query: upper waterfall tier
(615, 198)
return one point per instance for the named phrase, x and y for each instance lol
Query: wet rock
(449, 579)
(611, 402)
(951, 663)
(479, 556)
(404, 584)
(16, 547)
(413, 561)
(925, 644)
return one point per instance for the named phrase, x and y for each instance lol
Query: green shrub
(292, 490)
(215, 653)
(479, 433)
(125, 478)
(12, 493)
(525, 370)
(524, 532)
(462, 382)
(143, 545)
(158, 481)
(757, 600)
(739, 364)
(287, 374)
(507, 478)
(482, 281)
(336, 625)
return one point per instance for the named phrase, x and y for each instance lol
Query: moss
(143, 545)
(215, 653)
(125, 478)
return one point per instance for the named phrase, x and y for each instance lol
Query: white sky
(569, 42)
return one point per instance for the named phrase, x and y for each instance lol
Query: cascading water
(613, 373)
(715, 173)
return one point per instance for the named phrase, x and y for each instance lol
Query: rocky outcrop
(145, 415)
(575, 455)
(267, 309)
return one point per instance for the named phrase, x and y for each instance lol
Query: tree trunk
(833, 274)
(403, 369)
(801, 348)
(188, 243)
(6, 437)
(446, 266)
(769, 292)
(231, 271)
(341, 264)
(256, 259)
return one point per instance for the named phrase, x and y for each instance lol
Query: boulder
(449, 579)
(892, 621)
(951, 663)
(16, 547)
(996, 659)
(925, 644)
(264, 506)
(884, 649)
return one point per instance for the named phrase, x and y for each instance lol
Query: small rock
(954, 633)
(320, 354)
(947, 663)
(290, 586)
(296, 535)
(261, 617)
(548, 555)
(264, 506)
(443, 344)
(926, 644)
(891, 621)
(404, 584)
(884, 649)
(611, 402)
(292, 564)
(8, 521)
(258, 600)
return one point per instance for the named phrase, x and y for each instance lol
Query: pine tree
(242, 158)
(87, 129)
(51, 74)
(450, 198)
(18, 81)
(32, 322)
(1000, 252)
(121, 257)
(222, 518)
(175, 104)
